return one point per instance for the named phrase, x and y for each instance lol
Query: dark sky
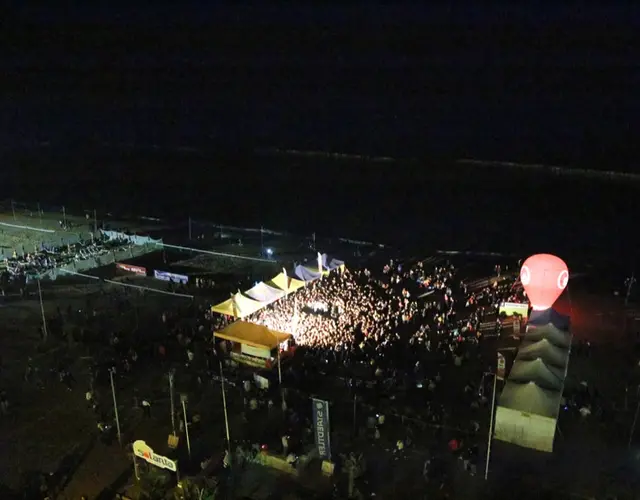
(552, 85)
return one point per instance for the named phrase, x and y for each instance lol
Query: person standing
(146, 408)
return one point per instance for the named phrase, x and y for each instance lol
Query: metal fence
(48, 216)
(99, 261)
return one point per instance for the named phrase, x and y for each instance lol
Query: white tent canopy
(531, 398)
(264, 293)
(551, 354)
(554, 335)
(527, 416)
(537, 371)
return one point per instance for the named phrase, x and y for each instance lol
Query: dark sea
(178, 119)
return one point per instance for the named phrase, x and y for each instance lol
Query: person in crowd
(146, 408)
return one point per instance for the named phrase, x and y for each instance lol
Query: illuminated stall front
(252, 344)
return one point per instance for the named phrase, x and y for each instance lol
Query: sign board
(173, 441)
(320, 409)
(502, 366)
(327, 468)
(516, 327)
(511, 308)
(258, 352)
(131, 269)
(145, 452)
(174, 278)
(250, 360)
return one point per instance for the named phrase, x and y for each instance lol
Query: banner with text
(320, 409)
(511, 308)
(131, 269)
(175, 278)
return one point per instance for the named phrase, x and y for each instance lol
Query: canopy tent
(531, 398)
(528, 407)
(251, 334)
(527, 415)
(551, 354)
(555, 336)
(307, 273)
(546, 377)
(330, 263)
(264, 293)
(238, 306)
(550, 317)
(285, 283)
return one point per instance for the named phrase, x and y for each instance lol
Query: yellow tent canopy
(251, 334)
(238, 306)
(286, 283)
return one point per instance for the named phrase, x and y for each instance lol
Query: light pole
(171, 398)
(183, 400)
(493, 405)
(115, 403)
(44, 318)
(630, 281)
(224, 406)
(635, 418)
(13, 209)
(261, 241)
(355, 409)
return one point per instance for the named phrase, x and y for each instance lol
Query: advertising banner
(131, 269)
(320, 409)
(175, 278)
(511, 308)
(250, 360)
(145, 452)
(258, 352)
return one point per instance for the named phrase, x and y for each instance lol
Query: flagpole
(235, 306)
(493, 405)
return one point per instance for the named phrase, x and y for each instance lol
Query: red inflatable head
(544, 277)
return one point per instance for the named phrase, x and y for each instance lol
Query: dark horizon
(517, 84)
(161, 112)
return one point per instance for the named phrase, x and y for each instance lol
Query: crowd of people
(402, 307)
(388, 334)
(22, 267)
(389, 327)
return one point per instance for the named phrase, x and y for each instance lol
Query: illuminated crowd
(348, 309)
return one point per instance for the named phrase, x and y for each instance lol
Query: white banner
(258, 352)
(145, 452)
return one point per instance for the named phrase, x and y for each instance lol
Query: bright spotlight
(269, 252)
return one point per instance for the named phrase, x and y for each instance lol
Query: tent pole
(493, 406)
(635, 419)
(279, 369)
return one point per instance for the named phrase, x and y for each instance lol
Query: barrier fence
(94, 262)
(42, 215)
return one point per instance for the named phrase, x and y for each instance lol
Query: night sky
(119, 94)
